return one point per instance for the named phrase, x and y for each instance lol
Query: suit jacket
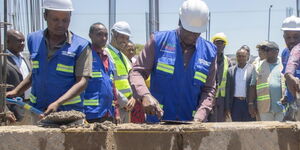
(230, 85)
(14, 77)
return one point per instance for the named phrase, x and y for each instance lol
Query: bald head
(15, 41)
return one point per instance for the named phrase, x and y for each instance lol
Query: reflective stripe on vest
(75, 100)
(200, 76)
(263, 97)
(121, 74)
(165, 68)
(32, 98)
(35, 64)
(262, 87)
(65, 68)
(96, 74)
(222, 86)
(91, 102)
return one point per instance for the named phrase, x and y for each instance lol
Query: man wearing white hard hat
(291, 35)
(219, 111)
(120, 34)
(61, 62)
(183, 69)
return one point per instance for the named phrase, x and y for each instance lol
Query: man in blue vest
(100, 94)
(291, 35)
(61, 62)
(183, 69)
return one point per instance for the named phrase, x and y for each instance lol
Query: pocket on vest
(65, 65)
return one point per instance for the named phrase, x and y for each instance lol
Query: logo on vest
(168, 48)
(203, 62)
(69, 54)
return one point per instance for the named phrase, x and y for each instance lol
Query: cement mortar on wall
(199, 136)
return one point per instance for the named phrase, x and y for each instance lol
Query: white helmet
(193, 15)
(59, 5)
(291, 23)
(122, 27)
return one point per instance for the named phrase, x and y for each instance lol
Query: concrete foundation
(198, 136)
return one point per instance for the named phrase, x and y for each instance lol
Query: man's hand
(227, 113)
(151, 106)
(252, 110)
(283, 100)
(11, 94)
(117, 120)
(130, 104)
(10, 117)
(51, 108)
(292, 84)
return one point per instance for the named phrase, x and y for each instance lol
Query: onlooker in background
(18, 68)
(218, 112)
(62, 63)
(120, 34)
(291, 35)
(270, 86)
(183, 69)
(100, 95)
(247, 48)
(130, 51)
(137, 113)
(238, 87)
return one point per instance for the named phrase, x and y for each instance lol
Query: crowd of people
(177, 76)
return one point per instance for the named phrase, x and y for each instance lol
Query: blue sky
(243, 21)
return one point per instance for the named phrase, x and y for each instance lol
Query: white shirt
(21, 64)
(240, 82)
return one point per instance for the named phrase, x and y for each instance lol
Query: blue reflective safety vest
(53, 78)
(178, 89)
(284, 59)
(98, 96)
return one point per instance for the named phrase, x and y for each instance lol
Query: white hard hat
(59, 5)
(291, 23)
(122, 27)
(193, 15)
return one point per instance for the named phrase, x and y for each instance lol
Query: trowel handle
(18, 101)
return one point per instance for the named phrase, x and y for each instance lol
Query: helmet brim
(56, 9)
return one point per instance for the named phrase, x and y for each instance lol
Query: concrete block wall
(198, 136)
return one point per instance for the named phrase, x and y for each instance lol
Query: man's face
(120, 41)
(271, 55)
(130, 50)
(262, 53)
(241, 57)
(16, 42)
(57, 21)
(220, 46)
(99, 36)
(187, 37)
(292, 38)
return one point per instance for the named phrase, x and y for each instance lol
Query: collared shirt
(240, 82)
(143, 66)
(83, 65)
(23, 68)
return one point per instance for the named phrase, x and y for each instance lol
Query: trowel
(19, 101)
(176, 122)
